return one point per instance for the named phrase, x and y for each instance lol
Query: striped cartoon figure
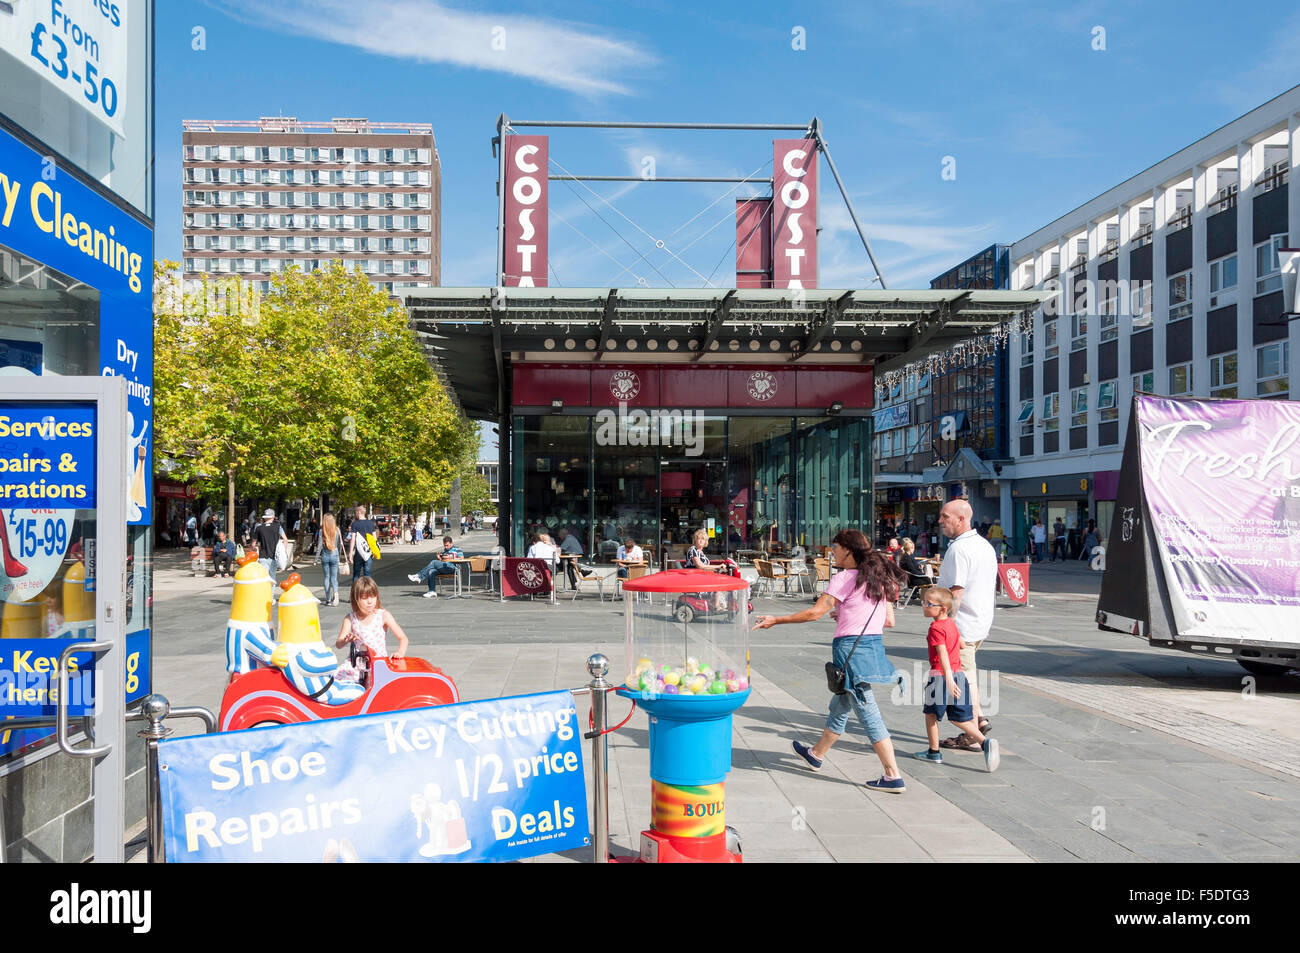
(301, 653)
(248, 630)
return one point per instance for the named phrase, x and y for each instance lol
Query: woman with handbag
(329, 545)
(862, 599)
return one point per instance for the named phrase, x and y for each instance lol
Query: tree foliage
(318, 387)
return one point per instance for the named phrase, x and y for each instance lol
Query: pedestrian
(970, 571)
(268, 536)
(359, 553)
(997, 537)
(1058, 539)
(863, 599)
(329, 545)
(1091, 540)
(438, 566)
(464, 525)
(1037, 540)
(192, 531)
(223, 552)
(947, 690)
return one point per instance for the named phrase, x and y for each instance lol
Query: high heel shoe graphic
(13, 568)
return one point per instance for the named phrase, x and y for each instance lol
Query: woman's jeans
(862, 701)
(330, 563)
(867, 662)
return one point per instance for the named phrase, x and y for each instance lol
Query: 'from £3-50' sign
(498, 779)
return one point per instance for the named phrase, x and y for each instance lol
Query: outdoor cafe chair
(597, 577)
(483, 565)
(916, 585)
(822, 566)
(767, 577)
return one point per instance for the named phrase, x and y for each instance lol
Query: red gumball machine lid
(686, 580)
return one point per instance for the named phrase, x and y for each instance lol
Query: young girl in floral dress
(365, 625)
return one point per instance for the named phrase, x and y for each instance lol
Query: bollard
(598, 666)
(155, 708)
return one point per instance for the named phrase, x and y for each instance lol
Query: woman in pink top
(862, 597)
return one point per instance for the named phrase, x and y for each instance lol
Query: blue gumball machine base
(690, 756)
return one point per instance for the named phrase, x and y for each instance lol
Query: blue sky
(1037, 120)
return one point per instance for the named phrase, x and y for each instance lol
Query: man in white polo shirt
(970, 570)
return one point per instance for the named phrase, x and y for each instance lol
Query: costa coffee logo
(624, 385)
(762, 385)
(530, 577)
(1016, 583)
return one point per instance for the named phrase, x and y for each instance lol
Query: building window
(1180, 379)
(1144, 383)
(1027, 348)
(1051, 412)
(1268, 274)
(1223, 375)
(1107, 403)
(1050, 349)
(1180, 296)
(1026, 419)
(1079, 407)
(1272, 369)
(1078, 332)
(1141, 300)
(1223, 274)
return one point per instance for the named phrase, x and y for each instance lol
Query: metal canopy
(469, 334)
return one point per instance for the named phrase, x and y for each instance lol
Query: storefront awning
(471, 335)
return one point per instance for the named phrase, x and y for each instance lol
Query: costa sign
(526, 231)
(794, 213)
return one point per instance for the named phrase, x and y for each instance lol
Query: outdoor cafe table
(462, 565)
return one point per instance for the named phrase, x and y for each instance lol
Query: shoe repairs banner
(488, 780)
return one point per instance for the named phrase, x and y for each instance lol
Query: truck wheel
(1263, 668)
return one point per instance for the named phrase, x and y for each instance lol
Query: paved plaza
(1111, 750)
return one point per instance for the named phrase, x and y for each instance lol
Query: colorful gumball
(670, 689)
(692, 667)
(633, 681)
(733, 685)
(672, 678)
(742, 684)
(729, 674)
(718, 687)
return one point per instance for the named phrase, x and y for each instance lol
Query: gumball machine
(688, 667)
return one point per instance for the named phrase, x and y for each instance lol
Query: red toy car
(265, 697)
(690, 606)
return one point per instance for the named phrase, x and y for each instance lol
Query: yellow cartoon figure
(248, 630)
(303, 655)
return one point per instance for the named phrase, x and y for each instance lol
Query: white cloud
(909, 253)
(571, 57)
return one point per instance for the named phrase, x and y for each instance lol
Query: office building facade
(260, 197)
(1168, 284)
(943, 433)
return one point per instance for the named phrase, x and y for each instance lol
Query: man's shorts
(967, 655)
(938, 701)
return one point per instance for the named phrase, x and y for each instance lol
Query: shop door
(692, 496)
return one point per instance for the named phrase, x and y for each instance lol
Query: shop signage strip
(492, 780)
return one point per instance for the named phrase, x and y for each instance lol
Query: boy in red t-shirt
(947, 689)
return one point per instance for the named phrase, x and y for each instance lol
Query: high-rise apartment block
(266, 195)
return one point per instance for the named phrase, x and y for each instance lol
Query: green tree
(318, 387)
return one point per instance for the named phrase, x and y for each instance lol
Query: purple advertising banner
(1221, 480)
